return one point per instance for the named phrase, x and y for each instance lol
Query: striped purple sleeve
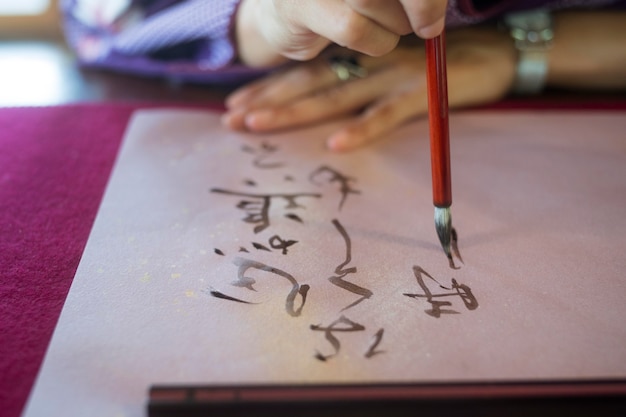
(183, 40)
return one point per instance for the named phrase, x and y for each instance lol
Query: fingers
(277, 90)
(481, 69)
(311, 93)
(388, 14)
(399, 17)
(380, 119)
(337, 21)
(389, 95)
(286, 86)
(268, 30)
(427, 17)
(327, 104)
(283, 86)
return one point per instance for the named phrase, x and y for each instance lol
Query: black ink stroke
(378, 337)
(257, 209)
(223, 296)
(218, 251)
(276, 242)
(338, 280)
(248, 283)
(342, 324)
(294, 217)
(265, 151)
(335, 176)
(458, 290)
(259, 246)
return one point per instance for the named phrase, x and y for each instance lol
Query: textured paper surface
(539, 200)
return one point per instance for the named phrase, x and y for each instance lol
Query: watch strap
(533, 33)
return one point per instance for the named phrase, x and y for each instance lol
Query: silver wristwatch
(533, 33)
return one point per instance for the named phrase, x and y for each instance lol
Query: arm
(589, 51)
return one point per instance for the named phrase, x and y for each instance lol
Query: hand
(271, 30)
(480, 67)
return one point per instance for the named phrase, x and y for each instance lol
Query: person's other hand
(480, 67)
(300, 29)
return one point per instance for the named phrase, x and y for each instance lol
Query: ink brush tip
(443, 224)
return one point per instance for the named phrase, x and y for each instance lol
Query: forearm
(589, 50)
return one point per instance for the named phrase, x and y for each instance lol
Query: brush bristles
(443, 224)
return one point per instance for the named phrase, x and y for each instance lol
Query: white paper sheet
(539, 204)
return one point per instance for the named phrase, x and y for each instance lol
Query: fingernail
(260, 120)
(433, 30)
(339, 142)
(234, 119)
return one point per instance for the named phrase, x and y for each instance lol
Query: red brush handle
(436, 78)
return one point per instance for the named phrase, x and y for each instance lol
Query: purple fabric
(197, 35)
(192, 40)
(464, 12)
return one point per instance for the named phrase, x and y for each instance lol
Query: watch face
(532, 27)
(535, 20)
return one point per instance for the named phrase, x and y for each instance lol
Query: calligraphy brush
(436, 78)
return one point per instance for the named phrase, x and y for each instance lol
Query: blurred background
(28, 18)
(33, 58)
(38, 69)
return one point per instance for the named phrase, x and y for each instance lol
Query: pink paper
(185, 280)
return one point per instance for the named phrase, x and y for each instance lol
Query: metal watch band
(533, 33)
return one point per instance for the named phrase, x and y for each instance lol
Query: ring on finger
(346, 67)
